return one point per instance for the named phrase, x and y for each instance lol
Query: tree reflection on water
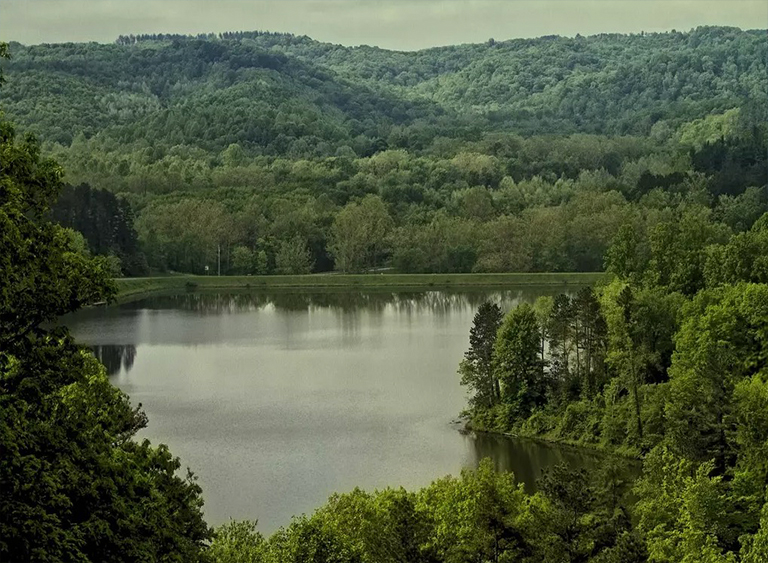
(528, 459)
(115, 357)
(436, 302)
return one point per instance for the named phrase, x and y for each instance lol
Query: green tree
(105, 220)
(476, 369)
(755, 548)
(744, 258)
(74, 486)
(633, 370)
(677, 249)
(681, 510)
(721, 343)
(641, 324)
(293, 257)
(626, 256)
(184, 236)
(560, 331)
(590, 340)
(238, 542)
(543, 309)
(243, 260)
(311, 540)
(577, 524)
(478, 517)
(359, 235)
(384, 526)
(516, 361)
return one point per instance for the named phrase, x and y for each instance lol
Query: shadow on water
(528, 459)
(115, 357)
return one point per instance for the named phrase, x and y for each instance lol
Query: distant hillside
(284, 95)
(207, 93)
(280, 154)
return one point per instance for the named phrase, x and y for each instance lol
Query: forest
(643, 155)
(666, 362)
(294, 156)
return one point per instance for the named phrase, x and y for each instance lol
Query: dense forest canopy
(276, 147)
(268, 91)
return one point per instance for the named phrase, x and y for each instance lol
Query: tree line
(502, 204)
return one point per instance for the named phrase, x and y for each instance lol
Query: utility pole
(219, 259)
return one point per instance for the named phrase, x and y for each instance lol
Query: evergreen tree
(476, 369)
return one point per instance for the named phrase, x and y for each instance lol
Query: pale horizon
(393, 24)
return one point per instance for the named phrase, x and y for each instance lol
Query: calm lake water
(278, 400)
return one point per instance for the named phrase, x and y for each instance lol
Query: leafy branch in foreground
(74, 485)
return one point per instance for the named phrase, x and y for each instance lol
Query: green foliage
(477, 370)
(626, 256)
(183, 236)
(543, 357)
(677, 250)
(237, 542)
(685, 385)
(574, 524)
(743, 258)
(482, 515)
(269, 153)
(722, 341)
(446, 244)
(107, 224)
(477, 517)
(41, 275)
(4, 54)
(516, 361)
(743, 210)
(681, 510)
(359, 235)
(709, 129)
(74, 486)
(293, 258)
(755, 548)
(277, 93)
(255, 139)
(682, 380)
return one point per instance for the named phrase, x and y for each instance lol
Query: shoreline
(595, 449)
(134, 288)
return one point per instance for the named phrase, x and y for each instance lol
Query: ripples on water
(277, 400)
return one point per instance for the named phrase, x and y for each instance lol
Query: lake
(278, 400)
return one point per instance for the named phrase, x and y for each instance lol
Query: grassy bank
(133, 287)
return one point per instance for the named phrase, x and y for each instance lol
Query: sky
(391, 24)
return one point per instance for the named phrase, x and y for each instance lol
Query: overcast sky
(393, 24)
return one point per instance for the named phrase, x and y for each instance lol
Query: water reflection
(528, 459)
(115, 356)
(279, 399)
(434, 302)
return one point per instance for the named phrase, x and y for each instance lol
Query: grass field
(134, 287)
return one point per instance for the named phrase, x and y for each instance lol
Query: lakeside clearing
(136, 287)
